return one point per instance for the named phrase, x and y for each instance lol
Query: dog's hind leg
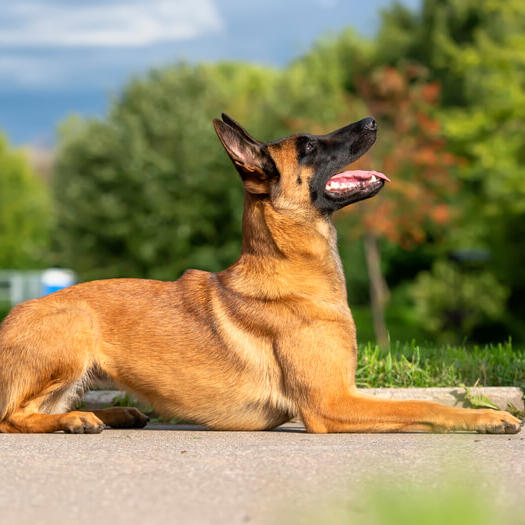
(71, 422)
(122, 417)
(47, 355)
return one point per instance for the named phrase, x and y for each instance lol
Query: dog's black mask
(331, 189)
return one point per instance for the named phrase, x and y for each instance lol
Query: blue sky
(64, 56)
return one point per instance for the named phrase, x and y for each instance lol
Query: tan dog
(248, 348)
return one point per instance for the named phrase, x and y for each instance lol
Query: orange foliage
(411, 152)
(431, 92)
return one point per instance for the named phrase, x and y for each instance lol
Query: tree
(25, 216)
(147, 192)
(449, 300)
(476, 50)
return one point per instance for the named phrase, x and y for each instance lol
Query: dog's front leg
(355, 412)
(319, 365)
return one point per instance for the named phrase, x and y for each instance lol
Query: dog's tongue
(358, 175)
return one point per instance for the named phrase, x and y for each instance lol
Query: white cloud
(26, 71)
(78, 69)
(132, 23)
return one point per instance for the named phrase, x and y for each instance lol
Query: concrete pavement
(181, 474)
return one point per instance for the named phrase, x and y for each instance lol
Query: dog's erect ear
(247, 155)
(234, 124)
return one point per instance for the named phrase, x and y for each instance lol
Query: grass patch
(415, 365)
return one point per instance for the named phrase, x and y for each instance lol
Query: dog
(248, 348)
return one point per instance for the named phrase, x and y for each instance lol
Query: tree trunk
(379, 293)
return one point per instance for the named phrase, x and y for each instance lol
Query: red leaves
(431, 92)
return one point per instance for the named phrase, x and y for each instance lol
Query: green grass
(414, 365)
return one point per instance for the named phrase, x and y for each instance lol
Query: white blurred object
(17, 286)
(55, 279)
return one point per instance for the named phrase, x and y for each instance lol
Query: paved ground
(186, 475)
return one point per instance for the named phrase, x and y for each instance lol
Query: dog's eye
(310, 146)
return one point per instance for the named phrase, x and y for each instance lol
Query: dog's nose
(371, 124)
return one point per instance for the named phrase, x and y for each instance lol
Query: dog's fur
(247, 348)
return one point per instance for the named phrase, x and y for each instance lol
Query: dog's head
(304, 172)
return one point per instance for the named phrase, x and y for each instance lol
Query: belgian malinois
(248, 348)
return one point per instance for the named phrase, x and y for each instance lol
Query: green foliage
(402, 323)
(516, 412)
(413, 365)
(476, 50)
(24, 212)
(450, 301)
(4, 310)
(479, 400)
(331, 67)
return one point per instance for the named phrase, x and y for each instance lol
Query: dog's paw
(127, 417)
(496, 422)
(81, 423)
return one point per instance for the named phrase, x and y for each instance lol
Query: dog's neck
(282, 246)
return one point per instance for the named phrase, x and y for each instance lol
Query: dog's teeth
(341, 186)
(374, 178)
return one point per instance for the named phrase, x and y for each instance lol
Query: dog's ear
(234, 124)
(247, 155)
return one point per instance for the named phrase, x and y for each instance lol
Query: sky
(59, 57)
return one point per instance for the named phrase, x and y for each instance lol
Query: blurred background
(109, 165)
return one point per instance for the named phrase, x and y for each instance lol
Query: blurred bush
(450, 301)
(25, 212)
(476, 52)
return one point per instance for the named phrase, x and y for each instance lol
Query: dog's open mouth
(347, 183)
